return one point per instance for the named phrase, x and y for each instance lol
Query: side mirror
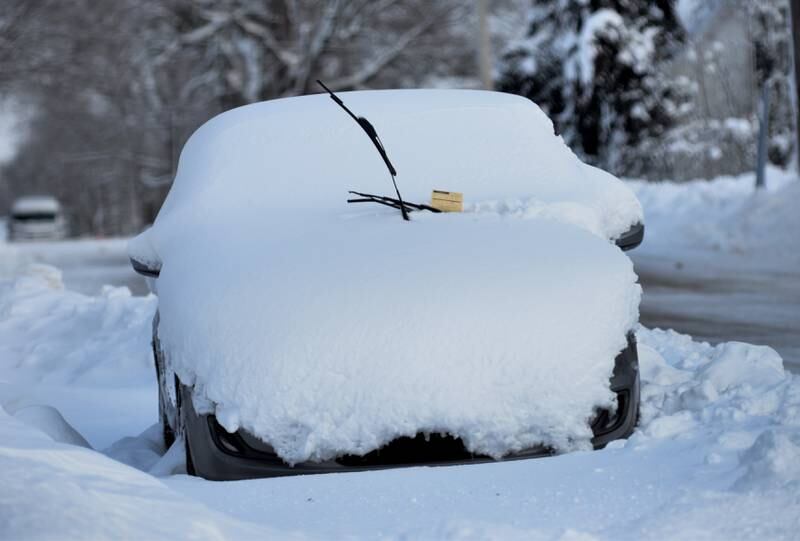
(631, 238)
(150, 270)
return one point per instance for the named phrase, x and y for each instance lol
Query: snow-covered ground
(716, 455)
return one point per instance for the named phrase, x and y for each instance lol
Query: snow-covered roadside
(88, 356)
(86, 264)
(716, 454)
(52, 490)
(727, 216)
(721, 261)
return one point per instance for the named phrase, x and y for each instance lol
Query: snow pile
(57, 491)
(737, 393)
(52, 335)
(50, 421)
(326, 328)
(341, 342)
(771, 463)
(607, 223)
(726, 213)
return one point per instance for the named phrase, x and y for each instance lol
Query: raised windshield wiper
(369, 129)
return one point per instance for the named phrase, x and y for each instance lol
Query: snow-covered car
(304, 330)
(38, 217)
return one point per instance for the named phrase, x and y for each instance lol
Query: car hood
(346, 331)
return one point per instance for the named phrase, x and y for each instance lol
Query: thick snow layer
(44, 329)
(56, 491)
(306, 153)
(50, 421)
(73, 351)
(502, 332)
(715, 455)
(327, 329)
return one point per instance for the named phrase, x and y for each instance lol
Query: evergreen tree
(594, 67)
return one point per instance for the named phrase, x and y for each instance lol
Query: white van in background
(37, 217)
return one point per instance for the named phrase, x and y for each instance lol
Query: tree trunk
(484, 46)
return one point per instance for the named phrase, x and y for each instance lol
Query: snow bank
(725, 214)
(52, 335)
(57, 491)
(737, 393)
(50, 421)
(327, 329)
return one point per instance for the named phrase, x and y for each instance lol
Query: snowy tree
(593, 66)
(273, 48)
(119, 86)
(735, 49)
(772, 43)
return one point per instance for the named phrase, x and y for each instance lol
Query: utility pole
(796, 54)
(485, 46)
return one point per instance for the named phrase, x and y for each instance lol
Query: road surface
(722, 298)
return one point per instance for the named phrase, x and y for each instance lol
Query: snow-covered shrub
(700, 148)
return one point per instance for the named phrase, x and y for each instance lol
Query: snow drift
(328, 329)
(44, 327)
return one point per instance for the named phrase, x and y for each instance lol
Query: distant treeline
(115, 88)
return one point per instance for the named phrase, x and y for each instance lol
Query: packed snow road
(722, 299)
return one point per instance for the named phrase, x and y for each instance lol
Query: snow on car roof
(36, 203)
(306, 153)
